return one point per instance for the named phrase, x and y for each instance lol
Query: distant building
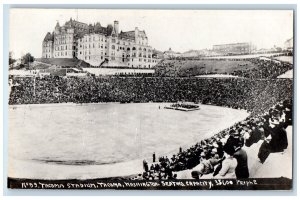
(289, 44)
(192, 53)
(171, 54)
(234, 48)
(196, 53)
(98, 45)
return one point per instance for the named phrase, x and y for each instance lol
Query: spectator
(229, 163)
(241, 171)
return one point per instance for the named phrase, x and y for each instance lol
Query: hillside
(199, 67)
(64, 62)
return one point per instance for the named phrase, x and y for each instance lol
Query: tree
(27, 58)
(11, 60)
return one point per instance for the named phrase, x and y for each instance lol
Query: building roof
(80, 29)
(232, 44)
(48, 37)
(127, 35)
(170, 51)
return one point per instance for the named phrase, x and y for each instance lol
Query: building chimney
(136, 33)
(116, 27)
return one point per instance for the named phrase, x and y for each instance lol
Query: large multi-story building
(234, 48)
(98, 45)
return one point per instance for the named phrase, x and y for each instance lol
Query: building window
(113, 46)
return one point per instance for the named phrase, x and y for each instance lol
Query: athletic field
(62, 141)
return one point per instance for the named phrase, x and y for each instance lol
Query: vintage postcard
(150, 99)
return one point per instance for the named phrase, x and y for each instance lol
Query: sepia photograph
(150, 99)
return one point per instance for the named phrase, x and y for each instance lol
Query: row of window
(113, 53)
(47, 45)
(47, 56)
(46, 50)
(63, 37)
(88, 57)
(57, 48)
(100, 46)
(88, 53)
(85, 39)
(101, 38)
(62, 42)
(63, 53)
(139, 66)
(93, 45)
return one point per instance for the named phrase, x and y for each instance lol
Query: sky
(181, 30)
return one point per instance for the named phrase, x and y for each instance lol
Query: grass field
(68, 62)
(63, 141)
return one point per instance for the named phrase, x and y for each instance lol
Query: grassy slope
(197, 67)
(70, 62)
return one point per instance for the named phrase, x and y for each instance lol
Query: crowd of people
(223, 155)
(183, 105)
(252, 95)
(264, 69)
(260, 68)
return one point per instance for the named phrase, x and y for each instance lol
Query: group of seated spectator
(264, 69)
(223, 154)
(261, 68)
(252, 95)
